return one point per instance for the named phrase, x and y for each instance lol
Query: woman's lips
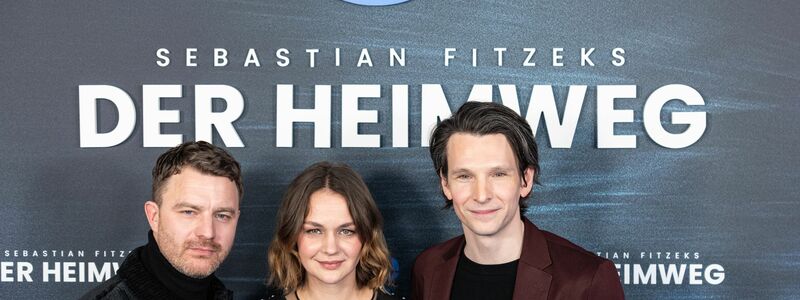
(331, 265)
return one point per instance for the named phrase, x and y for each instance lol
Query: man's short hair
(484, 118)
(202, 156)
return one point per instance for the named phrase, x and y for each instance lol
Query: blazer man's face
(484, 182)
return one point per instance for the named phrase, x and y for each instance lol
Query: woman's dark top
(277, 294)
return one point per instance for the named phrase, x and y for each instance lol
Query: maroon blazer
(550, 268)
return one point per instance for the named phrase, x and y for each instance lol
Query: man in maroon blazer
(487, 161)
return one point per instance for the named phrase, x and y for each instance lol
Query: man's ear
(151, 211)
(527, 183)
(445, 187)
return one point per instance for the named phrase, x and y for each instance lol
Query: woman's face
(328, 244)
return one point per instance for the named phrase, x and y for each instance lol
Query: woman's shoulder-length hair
(374, 266)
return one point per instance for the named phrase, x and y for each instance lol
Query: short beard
(182, 264)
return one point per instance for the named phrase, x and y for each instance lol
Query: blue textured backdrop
(732, 197)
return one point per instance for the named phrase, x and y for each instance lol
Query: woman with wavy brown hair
(329, 242)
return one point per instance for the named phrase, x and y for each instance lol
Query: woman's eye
(347, 232)
(313, 231)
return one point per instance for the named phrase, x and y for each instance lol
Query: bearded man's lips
(203, 249)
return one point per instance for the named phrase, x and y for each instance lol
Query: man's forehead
(191, 178)
(465, 143)
(486, 151)
(474, 138)
(177, 199)
(207, 192)
(204, 204)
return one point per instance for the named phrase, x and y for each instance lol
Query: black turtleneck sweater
(180, 285)
(146, 274)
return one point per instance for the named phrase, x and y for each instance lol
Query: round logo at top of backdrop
(375, 2)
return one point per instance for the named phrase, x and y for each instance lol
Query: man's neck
(502, 247)
(183, 286)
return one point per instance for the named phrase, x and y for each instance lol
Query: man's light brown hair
(203, 157)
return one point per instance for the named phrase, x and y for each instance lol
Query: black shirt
(476, 281)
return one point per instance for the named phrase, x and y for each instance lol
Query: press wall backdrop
(667, 129)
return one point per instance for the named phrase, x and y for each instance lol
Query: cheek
(226, 233)
(507, 189)
(461, 192)
(306, 247)
(173, 226)
(352, 247)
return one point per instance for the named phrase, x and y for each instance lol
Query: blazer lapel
(531, 284)
(532, 281)
(444, 274)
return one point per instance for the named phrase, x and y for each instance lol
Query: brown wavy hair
(285, 270)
